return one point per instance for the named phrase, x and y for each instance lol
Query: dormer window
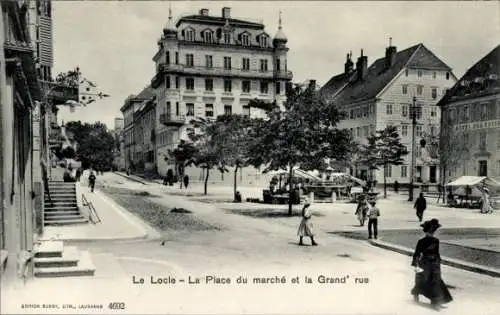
(244, 39)
(227, 37)
(189, 35)
(207, 36)
(263, 42)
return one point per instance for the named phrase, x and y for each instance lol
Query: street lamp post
(413, 113)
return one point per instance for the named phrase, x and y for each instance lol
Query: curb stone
(460, 264)
(91, 239)
(131, 178)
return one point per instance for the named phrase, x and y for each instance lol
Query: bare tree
(453, 144)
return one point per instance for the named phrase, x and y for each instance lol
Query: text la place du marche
(224, 280)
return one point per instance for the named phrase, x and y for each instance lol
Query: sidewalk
(116, 224)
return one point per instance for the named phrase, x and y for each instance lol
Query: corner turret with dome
(170, 30)
(280, 38)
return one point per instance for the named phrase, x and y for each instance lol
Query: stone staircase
(62, 209)
(53, 259)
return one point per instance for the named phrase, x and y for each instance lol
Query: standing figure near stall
(486, 202)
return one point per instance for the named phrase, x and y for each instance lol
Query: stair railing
(93, 216)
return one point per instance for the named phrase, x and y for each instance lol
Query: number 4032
(116, 306)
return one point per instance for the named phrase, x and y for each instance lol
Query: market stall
(466, 191)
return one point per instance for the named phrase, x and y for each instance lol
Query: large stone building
(208, 66)
(471, 108)
(133, 138)
(381, 94)
(19, 97)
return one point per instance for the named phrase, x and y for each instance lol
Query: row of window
(475, 112)
(482, 169)
(209, 110)
(227, 62)
(225, 37)
(390, 109)
(403, 130)
(146, 157)
(470, 139)
(420, 90)
(167, 137)
(420, 73)
(227, 83)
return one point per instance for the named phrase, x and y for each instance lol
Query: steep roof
(218, 20)
(145, 94)
(335, 84)
(482, 79)
(379, 76)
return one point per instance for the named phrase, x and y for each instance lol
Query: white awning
(474, 180)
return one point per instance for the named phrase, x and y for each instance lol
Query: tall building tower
(212, 65)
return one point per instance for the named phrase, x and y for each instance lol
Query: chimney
(312, 84)
(349, 65)
(226, 13)
(362, 66)
(390, 55)
(204, 12)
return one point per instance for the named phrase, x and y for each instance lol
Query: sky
(113, 42)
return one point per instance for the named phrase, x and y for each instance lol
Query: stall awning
(473, 181)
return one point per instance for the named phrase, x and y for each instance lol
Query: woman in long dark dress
(427, 263)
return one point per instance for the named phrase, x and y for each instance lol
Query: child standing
(373, 215)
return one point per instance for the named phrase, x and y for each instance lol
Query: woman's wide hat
(431, 225)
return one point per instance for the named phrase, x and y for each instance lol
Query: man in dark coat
(420, 206)
(186, 181)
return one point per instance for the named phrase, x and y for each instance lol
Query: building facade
(145, 137)
(208, 66)
(382, 94)
(118, 161)
(472, 109)
(20, 94)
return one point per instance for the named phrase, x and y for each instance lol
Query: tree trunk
(290, 176)
(385, 182)
(180, 175)
(443, 176)
(235, 185)
(206, 180)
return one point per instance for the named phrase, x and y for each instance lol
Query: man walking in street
(440, 191)
(420, 206)
(92, 178)
(186, 181)
(373, 215)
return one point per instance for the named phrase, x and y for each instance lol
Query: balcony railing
(172, 120)
(223, 72)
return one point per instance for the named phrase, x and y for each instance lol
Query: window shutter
(239, 37)
(183, 32)
(219, 33)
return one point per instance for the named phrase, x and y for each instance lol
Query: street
(258, 247)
